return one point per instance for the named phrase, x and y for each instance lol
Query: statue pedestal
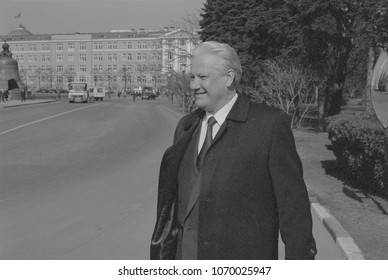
(15, 94)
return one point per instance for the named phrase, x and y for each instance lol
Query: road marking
(37, 121)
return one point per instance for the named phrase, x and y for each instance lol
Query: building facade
(120, 59)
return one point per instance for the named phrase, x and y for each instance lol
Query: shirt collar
(221, 114)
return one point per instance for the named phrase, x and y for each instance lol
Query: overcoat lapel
(238, 113)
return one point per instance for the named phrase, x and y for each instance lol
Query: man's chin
(201, 100)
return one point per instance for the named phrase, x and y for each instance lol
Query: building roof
(19, 31)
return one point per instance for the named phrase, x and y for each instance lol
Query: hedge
(359, 144)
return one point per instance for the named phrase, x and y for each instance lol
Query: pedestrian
(134, 96)
(1, 95)
(23, 92)
(5, 94)
(233, 178)
(119, 94)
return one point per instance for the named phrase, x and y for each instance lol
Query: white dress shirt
(220, 117)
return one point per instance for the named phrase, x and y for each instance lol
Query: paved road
(78, 181)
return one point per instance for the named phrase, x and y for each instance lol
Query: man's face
(207, 82)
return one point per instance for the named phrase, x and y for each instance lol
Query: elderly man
(233, 178)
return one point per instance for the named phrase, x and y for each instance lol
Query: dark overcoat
(252, 187)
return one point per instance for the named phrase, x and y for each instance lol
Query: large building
(117, 59)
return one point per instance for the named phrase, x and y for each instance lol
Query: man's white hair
(225, 53)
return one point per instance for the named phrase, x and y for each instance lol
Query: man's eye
(203, 77)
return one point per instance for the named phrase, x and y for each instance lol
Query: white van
(98, 93)
(78, 92)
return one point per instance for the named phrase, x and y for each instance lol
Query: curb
(26, 104)
(340, 235)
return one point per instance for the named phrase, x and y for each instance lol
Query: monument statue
(9, 74)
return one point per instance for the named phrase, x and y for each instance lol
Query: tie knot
(211, 121)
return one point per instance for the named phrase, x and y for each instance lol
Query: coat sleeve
(295, 221)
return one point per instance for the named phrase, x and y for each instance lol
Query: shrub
(359, 144)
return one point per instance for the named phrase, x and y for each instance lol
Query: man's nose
(194, 84)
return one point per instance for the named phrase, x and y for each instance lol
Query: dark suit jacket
(252, 186)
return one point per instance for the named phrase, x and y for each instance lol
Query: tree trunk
(333, 99)
(321, 110)
(368, 88)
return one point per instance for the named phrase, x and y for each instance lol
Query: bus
(78, 92)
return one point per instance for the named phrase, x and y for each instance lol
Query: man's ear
(230, 75)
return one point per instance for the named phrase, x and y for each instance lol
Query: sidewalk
(362, 216)
(18, 103)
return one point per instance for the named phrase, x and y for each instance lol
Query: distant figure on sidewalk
(134, 96)
(23, 96)
(232, 179)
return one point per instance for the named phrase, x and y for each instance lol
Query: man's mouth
(200, 93)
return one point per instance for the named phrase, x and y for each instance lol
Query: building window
(170, 55)
(59, 57)
(114, 67)
(98, 57)
(30, 58)
(115, 56)
(100, 68)
(129, 45)
(139, 45)
(115, 46)
(144, 56)
(110, 46)
(82, 57)
(110, 56)
(82, 79)
(35, 58)
(138, 79)
(45, 47)
(127, 56)
(71, 67)
(20, 47)
(60, 80)
(138, 56)
(145, 45)
(82, 68)
(95, 67)
(70, 47)
(82, 46)
(182, 42)
(98, 46)
(70, 57)
(59, 47)
(59, 68)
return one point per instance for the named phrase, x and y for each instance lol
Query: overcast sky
(69, 16)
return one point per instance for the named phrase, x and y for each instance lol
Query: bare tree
(69, 74)
(126, 75)
(38, 74)
(286, 86)
(51, 74)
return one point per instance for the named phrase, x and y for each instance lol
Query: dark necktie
(208, 140)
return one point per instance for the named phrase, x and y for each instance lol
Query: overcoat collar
(238, 113)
